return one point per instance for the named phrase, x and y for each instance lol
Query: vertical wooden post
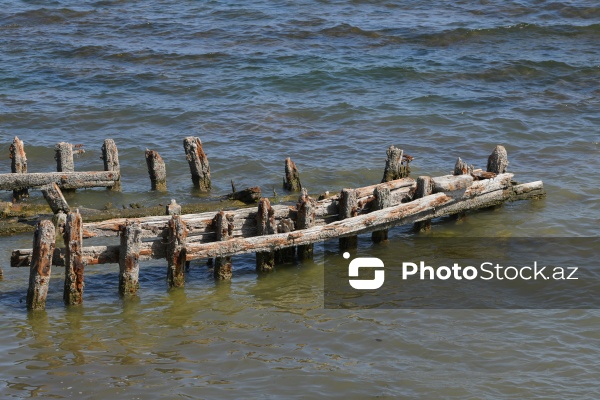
(462, 168)
(173, 208)
(265, 225)
(110, 155)
(157, 170)
(224, 229)
(55, 198)
(382, 200)
(18, 165)
(64, 157)
(348, 207)
(176, 252)
(129, 255)
(291, 180)
(394, 167)
(424, 188)
(306, 219)
(198, 163)
(498, 160)
(74, 263)
(44, 241)
(286, 254)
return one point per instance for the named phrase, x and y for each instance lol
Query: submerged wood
(110, 156)
(18, 165)
(176, 252)
(65, 180)
(198, 163)
(265, 225)
(156, 170)
(74, 262)
(129, 258)
(41, 265)
(224, 227)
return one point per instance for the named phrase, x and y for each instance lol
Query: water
(331, 84)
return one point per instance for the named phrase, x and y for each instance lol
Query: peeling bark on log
(348, 208)
(382, 200)
(129, 259)
(424, 188)
(481, 195)
(55, 198)
(44, 241)
(74, 263)
(198, 163)
(291, 180)
(498, 160)
(176, 252)
(462, 168)
(265, 225)
(110, 156)
(156, 170)
(305, 220)
(64, 157)
(173, 208)
(65, 180)
(394, 167)
(224, 226)
(18, 165)
(248, 196)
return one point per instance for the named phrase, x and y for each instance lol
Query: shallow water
(331, 84)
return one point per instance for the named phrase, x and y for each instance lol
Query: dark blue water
(331, 84)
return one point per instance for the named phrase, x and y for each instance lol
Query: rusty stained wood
(44, 242)
(156, 170)
(482, 195)
(462, 168)
(396, 165)
(55, 198)
(64, 157)
(291, 179)
(248, 195)
(173, 208)
(265, 225)
(65, 180)
(110, 157)
(198, 163)
(305, 219)
(129, 258)
(18, 165)
(224, 227)
(74, 262)
(176, 252)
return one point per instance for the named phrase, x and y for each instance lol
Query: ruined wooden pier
(274, 232)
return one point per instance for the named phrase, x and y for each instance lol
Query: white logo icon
(365, 262)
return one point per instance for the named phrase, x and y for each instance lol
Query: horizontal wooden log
(433, 206)
(451, 183)
(65, 180)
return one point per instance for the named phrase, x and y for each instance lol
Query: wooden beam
(65, 180)
(55, 198)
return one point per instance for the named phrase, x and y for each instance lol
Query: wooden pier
(273, 232)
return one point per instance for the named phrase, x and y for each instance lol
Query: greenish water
(331, 84)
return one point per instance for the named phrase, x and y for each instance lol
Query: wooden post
(74, 263)
(198, 163)
(157, 170)
(498, 160)
(462, 168)
(424, 188)
(305, 220)
(224, 228)
(394, 167)
(55, 198)
(64, 157)
(265, 225)
(382, 200)
(173, 208)
(176, 252)
(44, 241)
(129, 255)
(110, 155)
(18, 165)
(348, 207)
(287, 254)
(291, 180)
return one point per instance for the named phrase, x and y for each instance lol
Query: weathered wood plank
(55, 198)
(44, 240)
(65, 180)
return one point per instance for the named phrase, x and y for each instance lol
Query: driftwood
(41, 265)
(65, 180)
